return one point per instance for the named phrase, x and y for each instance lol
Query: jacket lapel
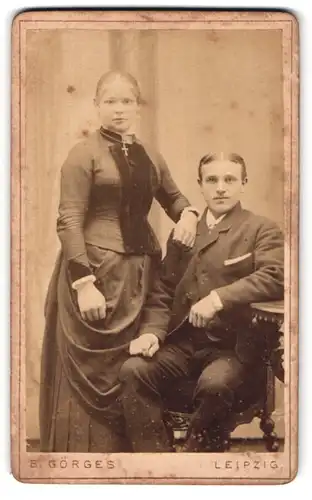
(206, 237)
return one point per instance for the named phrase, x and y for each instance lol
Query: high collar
(211, 220)
(117, 138)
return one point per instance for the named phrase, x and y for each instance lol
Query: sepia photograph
(154, 247)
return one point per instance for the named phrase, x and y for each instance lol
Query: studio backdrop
(203, 91)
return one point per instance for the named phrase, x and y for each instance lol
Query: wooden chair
(267, 319)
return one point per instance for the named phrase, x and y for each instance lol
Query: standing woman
(108, 258)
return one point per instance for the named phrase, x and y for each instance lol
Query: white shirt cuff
(82, 281)
(216, 301)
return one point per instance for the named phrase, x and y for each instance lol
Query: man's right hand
(91, 302)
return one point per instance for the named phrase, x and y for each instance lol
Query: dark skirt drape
(79, 408)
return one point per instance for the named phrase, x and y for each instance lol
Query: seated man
(199, 309)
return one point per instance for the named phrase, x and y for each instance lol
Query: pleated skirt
(79, 405)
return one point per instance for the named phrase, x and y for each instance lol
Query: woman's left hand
(185, 230)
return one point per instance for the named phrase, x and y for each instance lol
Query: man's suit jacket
(241, 258)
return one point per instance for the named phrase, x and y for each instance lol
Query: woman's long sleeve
(76, 180)
(168, 194)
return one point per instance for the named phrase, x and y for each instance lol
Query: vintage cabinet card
(154, 247)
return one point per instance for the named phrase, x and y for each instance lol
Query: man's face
(221, 185)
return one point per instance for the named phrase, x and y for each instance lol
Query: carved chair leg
(177, 425)
(267, 424)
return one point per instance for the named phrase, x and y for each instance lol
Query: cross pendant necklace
(124, 148)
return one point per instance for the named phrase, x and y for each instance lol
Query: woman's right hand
(91, 302)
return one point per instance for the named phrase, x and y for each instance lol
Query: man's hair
(235, 158)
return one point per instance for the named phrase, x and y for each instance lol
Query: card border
(147, 20)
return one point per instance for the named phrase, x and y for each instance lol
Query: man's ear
(244, 182)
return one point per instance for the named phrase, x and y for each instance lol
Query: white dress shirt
(211, 221)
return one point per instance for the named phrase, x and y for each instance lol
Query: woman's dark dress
(105, 198)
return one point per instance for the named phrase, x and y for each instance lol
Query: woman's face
(117, 106)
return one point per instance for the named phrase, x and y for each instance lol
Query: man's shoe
(196, 443)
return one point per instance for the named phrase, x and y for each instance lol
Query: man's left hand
(146, 345)
(202, 312)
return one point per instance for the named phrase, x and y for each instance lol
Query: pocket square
(228, 262)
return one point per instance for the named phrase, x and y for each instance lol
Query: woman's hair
(233, 157)
(108, 77)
